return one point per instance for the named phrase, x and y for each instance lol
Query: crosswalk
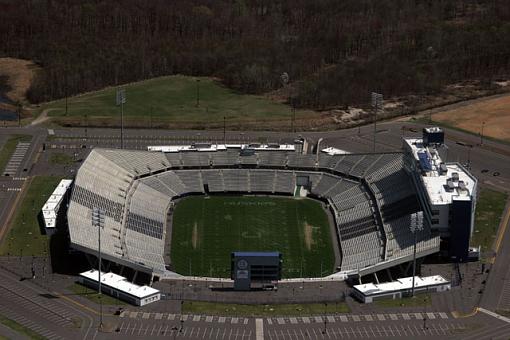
(16, 159)
(343, 318)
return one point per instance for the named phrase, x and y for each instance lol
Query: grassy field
(60, 158)
(19, 328)
(212, 308)
(489, 209)
(207, 229)
(24, 237)
(93, 296)
(171, 99)
(9, 147)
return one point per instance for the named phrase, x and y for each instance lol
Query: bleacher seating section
(135, 190)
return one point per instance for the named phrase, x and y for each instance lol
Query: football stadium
(173, 212)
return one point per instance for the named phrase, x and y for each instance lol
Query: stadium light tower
(416, 225)
(377, 101)
(98, 221)
(121, 100)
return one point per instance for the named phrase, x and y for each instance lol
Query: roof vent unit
(455, 177)
(433, 136)
(462, 185)
(449, 185)
(443, 170)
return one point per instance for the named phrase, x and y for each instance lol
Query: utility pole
(377, 100)
(121, 100)
(98, 221)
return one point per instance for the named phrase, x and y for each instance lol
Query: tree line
(335, 52)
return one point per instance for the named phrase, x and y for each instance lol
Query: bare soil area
(20, 74)
(494, 112)
(308, 236)
(194, 236)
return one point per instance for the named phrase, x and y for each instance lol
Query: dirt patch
(194, 236)
(494, 112)
(309, 242)
(20, 74)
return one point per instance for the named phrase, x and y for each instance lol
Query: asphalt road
(31, 305)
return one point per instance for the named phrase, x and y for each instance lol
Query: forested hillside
(335, 51)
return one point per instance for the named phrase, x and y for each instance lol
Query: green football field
(205, 230)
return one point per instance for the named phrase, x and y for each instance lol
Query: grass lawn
(24, 237)
(418, 301)
(93, 296)
(205, 230)
(212, 308)
(489, 210)
(19, 328)
(61, 159)
(171, 99)
(10, 145)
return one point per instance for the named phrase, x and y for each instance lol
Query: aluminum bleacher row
(135, 189)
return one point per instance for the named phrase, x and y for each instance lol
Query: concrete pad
(146, 315)
(133, 315)
(234, 320)
(196, 318)
(443, 315)
(381, 317)
(368, 317)
(221, 319)
(344, 318)
(431, 316)
(293, 320)
(393, 316)
(330, 318)
(208, 319)
(356, 318)
(406, 316)
(158, 316)
(305, 319)
(280, 321)
(171, 317)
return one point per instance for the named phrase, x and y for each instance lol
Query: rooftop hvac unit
(449, 185)
(443, 170)
(455, 176)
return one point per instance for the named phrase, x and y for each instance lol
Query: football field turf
(205, 230)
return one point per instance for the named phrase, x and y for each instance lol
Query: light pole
(98, 221)
(224, 130)
(377, 100)
(481, 134)
(198, 92)
(318, 150)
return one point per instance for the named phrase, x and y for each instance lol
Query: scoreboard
(248, 267)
